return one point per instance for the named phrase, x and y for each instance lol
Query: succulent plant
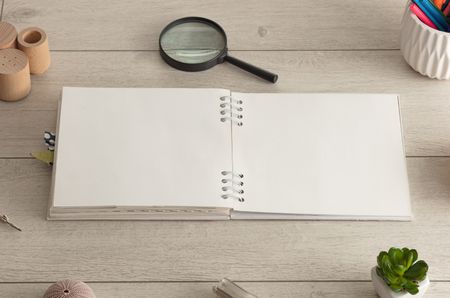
(400, 271)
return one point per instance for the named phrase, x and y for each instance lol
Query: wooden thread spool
(15, 82)
(8, 36)
(33, 42)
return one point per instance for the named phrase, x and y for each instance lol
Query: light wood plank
(1, 9)
(425, 103)
(203, 290)
(207, 251)
(250, 25)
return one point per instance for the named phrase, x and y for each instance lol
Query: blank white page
(141, 147)
(322, 154)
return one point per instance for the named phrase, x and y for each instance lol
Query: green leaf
(44, 156)
(380, 256)
(386, 266)
(380, 272)
(406, 256)
(418, 271)
(402, 281)
(396, 255)
(396, 288)
(411, 288)
(415, 255)
(399, 269)
(409, 259)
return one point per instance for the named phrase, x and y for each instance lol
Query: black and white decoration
(50, 139)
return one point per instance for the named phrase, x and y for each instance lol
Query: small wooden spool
(33, 42)
(8, 36)
(15, 82)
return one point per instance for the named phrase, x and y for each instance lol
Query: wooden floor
(343, 46)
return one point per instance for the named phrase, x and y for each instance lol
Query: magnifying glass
(195, 44)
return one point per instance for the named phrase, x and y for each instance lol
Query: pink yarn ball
(69, 289)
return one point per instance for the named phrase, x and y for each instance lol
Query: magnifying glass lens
(193, 42)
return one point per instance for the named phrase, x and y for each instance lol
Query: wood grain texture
(338, 253)
(8, 35)
(203, 290)
(425, 103)
(250, 25)
(1, 9)
(197, 251)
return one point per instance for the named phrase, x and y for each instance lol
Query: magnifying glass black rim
(193, 66)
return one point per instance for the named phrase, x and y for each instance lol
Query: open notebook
(215, 154)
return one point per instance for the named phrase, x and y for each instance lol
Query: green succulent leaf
(411, 288)
(396, 255)
(379, 271)
(409, 259)
(386, 266)
(380, 257)
(399, 269)
(396, 288)
(418, 271)
(415, 255)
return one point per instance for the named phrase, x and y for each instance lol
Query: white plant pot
(384, 291)
(425, 49)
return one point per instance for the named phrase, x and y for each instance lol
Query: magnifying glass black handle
(264, 74)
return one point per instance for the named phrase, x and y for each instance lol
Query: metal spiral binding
(231, 110)
(232, 186)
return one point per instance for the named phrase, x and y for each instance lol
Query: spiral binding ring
(225, 173)
(233, 182)
(233, 121)
(232, 186)
(228, 188)
(226, 104)
(231, 99)
(231, 110)
(240, 199)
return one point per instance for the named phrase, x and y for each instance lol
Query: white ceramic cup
(425, 49)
